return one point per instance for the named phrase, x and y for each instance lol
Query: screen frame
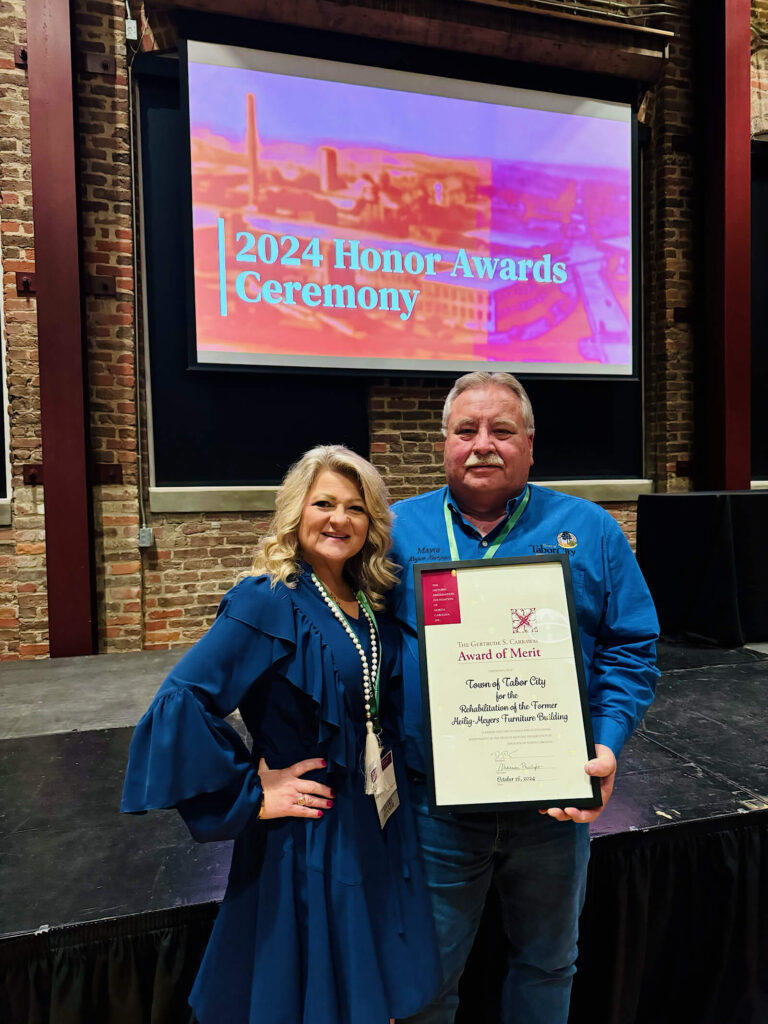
(615, 454)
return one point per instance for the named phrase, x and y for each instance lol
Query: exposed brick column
(23, 589)
(107, 245)
(669, 298)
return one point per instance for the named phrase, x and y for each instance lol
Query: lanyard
(509, 526)
(363, 600)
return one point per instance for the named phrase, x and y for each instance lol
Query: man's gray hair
(481, 379)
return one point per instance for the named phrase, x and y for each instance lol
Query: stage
(105, 916)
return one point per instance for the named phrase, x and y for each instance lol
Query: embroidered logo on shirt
(524, 620)
(566, 540)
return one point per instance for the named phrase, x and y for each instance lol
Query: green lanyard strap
(509, 526)
(363, 601)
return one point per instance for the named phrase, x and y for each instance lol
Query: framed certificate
(505, 700)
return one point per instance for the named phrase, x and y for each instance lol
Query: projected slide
(364, 218)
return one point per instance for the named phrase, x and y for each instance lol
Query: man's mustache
(492, 459)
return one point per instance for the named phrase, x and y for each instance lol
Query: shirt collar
(454, 506)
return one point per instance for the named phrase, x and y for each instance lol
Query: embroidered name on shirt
(550, 549)
(428, 554)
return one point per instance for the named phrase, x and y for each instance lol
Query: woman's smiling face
(334, 521)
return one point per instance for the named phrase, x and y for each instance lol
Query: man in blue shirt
(536, 860)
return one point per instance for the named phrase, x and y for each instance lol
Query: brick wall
(196, 557)
(668, 167)
(168, 594)
(23, 628)
(108, 252)
(406, 443)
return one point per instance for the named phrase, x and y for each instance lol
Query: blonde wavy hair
(278, 554)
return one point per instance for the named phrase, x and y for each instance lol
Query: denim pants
(539, 867)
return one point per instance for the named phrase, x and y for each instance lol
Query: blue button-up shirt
(617, 622)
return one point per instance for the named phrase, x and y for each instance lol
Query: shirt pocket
(586, 598)
(579, 583)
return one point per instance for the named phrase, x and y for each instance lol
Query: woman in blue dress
(326, 918)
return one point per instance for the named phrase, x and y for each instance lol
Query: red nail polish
(329, 803)
(325, 763)
(319, 814)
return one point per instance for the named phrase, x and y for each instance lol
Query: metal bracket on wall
(104, 285)
(20, 55)
(99, 64)
(32, 474)
(107, 473)
(25, 283)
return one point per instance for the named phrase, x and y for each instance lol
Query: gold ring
(302, 800)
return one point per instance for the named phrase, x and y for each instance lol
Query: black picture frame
(424, 568)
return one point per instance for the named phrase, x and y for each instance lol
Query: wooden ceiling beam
(514, 33)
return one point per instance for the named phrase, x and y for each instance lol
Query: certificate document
(503, 685)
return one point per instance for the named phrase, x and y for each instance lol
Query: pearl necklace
(370, 672)
(372, 750)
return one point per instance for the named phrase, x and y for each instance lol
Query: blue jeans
(539, 868)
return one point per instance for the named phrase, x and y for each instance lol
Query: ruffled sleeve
(183, 754)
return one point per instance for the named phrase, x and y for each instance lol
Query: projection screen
(363, 218)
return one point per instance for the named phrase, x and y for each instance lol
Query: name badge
(385, 788)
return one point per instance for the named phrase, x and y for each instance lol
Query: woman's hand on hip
(288, 795)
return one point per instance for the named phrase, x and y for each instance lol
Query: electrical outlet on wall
(146, 536)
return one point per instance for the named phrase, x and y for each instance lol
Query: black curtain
(674, 930)
(124, 971)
